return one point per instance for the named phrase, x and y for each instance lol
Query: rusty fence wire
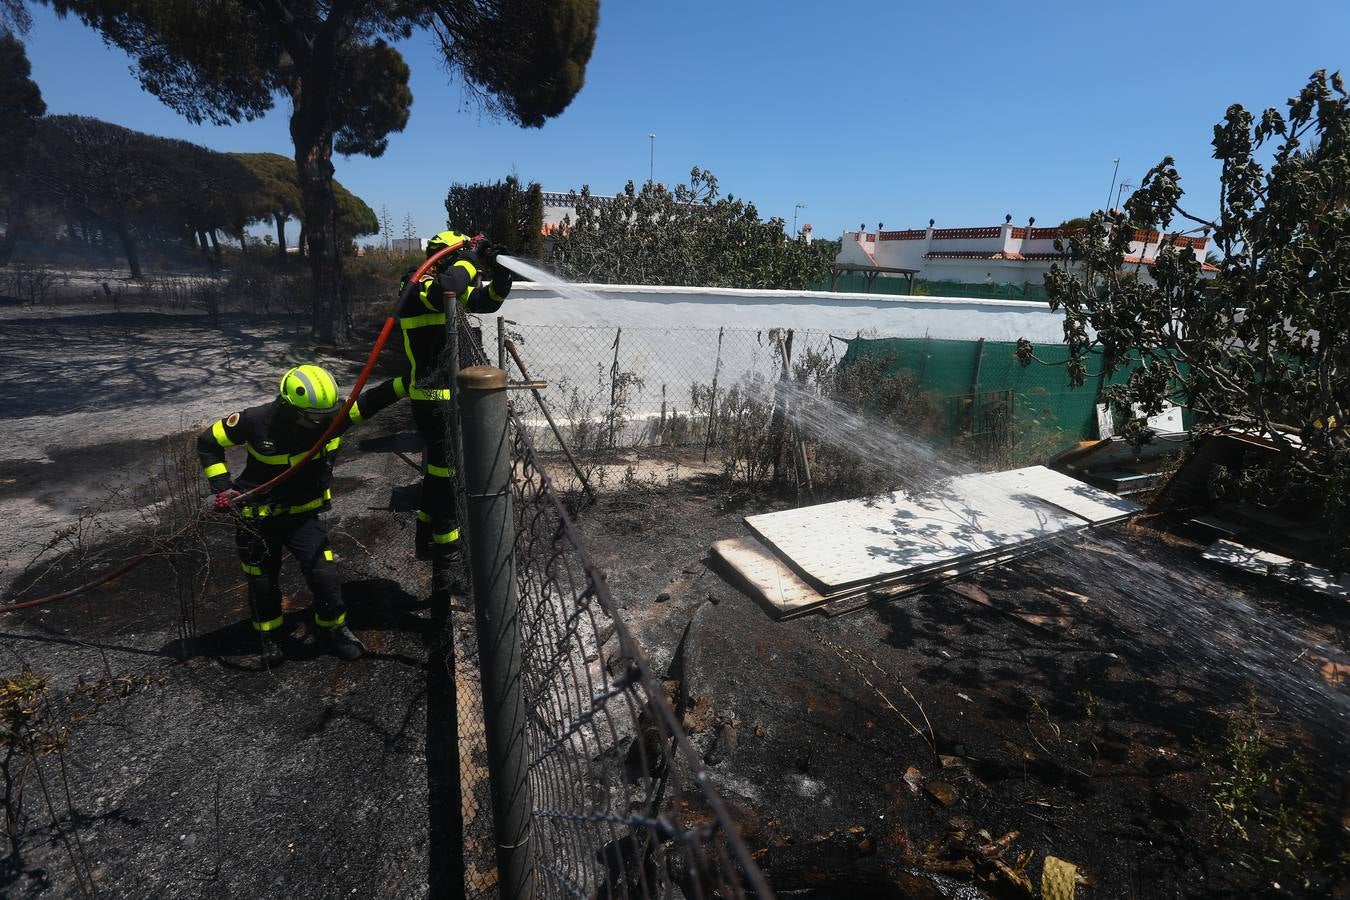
(620, 805)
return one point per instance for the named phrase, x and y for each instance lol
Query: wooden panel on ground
(1097, 506)
(764, 577)
(757, 572)
(925, 582)
(856, 543)
(1263, 563)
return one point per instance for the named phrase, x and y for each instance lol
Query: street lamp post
(1114, 172)
(651, 161)
(794, 217)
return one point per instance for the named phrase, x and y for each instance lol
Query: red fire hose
(135, 561)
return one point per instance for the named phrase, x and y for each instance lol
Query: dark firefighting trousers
(260, 542)
(437, 518)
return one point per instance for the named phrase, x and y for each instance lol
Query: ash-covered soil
(86, 395)
(215, 777)
(946, 742)
(197, 772)
(1058, 705)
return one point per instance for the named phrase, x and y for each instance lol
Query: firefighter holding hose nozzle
(473, 278)
(276, 436)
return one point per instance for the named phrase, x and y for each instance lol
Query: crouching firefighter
(276, 435)
(473, 278)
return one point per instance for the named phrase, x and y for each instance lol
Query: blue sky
(888, 111)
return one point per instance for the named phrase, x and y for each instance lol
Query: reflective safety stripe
(412, 322)
(423, 516)
(273, 459)
(400, 389)
(424, 293)
(328, 555)
(250, 570)
(270, 624)
(431, 394)
(330, 623)
(218, 432)
(492, 292)
(283, 459)
(262, 512)
(355, 414)
(313, 504)
(215, 469)
(448, 537)
(438, 471)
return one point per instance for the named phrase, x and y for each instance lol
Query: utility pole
(1114, 172)
(651, 161)
(794, 217)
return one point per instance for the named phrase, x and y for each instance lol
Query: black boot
(422, 545)
(445, 579)
(339, 641)
(270, 653)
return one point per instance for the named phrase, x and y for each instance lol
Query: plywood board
(765, 577)
(857, 542)
(756, 571)
(1261, 562)
(926, 582)
(1097, 506)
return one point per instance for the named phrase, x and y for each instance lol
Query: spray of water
(532, 271)
(1186, 614)
(1191, 619)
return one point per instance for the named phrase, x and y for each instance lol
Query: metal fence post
(486, 464)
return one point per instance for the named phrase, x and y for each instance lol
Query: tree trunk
(312, 133)
(129, 247)
(281, 236)
(203, 245)
(215, 248)
(7, 243)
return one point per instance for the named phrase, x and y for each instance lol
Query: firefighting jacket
(423, 320)
(274, 436)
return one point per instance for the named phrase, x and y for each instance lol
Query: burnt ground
(214, 777)
(1067, 697)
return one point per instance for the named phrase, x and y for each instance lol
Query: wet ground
(1065, 699)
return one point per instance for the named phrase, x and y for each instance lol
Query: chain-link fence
(615, 800)
(633, 387)
(625, 387)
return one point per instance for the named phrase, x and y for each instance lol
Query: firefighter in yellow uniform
(473, 278)
(276, 435)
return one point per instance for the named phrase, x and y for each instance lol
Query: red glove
(224, 498)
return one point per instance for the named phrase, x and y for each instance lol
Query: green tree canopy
(509, 214)
(355, 217)
(21, 106)
(689, 236)
(137, 187)
(278, 198)
(1266, 344)
(348, 87)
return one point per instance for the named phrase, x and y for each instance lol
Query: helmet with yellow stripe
(448, 239)
(310, 390)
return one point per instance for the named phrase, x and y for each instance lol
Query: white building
(409, 245)
(557, 207)
(996, 254)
